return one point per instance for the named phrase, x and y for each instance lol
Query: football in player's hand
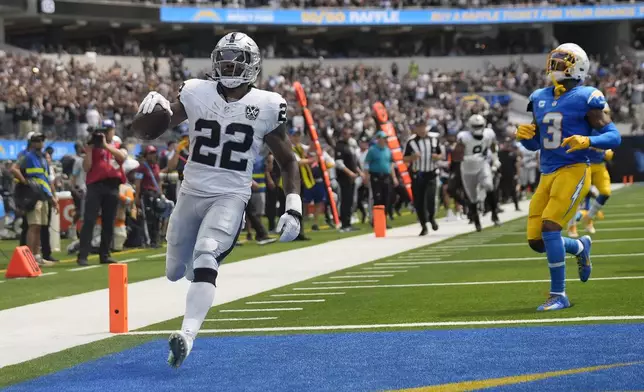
(151, 125)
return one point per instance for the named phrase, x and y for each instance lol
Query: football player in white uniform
(229, 121)
(476, 142)
(530, 164)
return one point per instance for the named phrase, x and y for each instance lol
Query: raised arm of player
(280, 145)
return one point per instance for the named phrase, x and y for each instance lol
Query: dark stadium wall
(596, 38)
(628, 160)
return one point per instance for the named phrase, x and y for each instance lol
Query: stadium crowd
(63, 100)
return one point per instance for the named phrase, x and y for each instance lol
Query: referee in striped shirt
(421, 154)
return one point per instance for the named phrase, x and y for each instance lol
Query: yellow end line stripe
(511, 380)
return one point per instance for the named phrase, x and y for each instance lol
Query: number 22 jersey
(225, 137)
(560, 118)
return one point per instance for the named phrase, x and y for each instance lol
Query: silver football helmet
(235, 60)
(476, 123)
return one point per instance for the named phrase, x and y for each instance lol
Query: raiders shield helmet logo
(252, 112)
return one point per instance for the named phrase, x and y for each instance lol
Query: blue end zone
(369, 361)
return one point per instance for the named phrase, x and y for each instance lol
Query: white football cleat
(180, 347)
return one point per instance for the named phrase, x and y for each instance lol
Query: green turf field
(66, 278)
(487, 278)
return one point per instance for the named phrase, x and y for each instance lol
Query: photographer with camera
(102, 163)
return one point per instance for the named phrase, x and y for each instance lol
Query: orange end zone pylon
(22, 264)
(394, 144)
(118, 298)
(308, 119)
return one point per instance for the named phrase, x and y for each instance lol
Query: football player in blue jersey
(568, 119)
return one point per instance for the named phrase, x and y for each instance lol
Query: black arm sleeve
(529, 108)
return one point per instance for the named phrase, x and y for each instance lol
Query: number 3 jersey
(560, 118)
(475, 150)
(225, 137)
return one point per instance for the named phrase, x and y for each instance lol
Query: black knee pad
(537, 245)
(207, 275)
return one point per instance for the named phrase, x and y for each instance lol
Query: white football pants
(201, 233)
(472, 182)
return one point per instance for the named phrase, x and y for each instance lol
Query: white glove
(289, 223)
(150, 100)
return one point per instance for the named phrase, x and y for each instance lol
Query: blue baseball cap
(109, 124)
(294, 130)
(381, 134)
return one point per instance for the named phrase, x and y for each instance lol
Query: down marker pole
(308, 119)
(380, 113)
(118, 298)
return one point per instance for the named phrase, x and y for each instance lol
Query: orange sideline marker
(118, 298)
(630, 179)
(308, 119)
(379, 221)
(22, 264)
(394, 145)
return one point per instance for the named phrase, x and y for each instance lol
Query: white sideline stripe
(294, 301)
(409, 264)
(429, 255)
(306, 294)
(360, 276)
(243, 319)
(613, 221)
(128, 260)
(83, 268)
(418, 256)
(347, 281)
(465, 283)
(390, 272)
(369, 272)
(377, 269)
(155, 256)
(48, 274)
(407, 325)
(620, 206)
(524, 243)
(602, 230)
(626, 214)
(258, 310)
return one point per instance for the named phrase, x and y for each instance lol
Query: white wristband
(293, 202)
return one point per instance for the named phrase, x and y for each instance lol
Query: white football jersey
(476, 150)
(529, 158)
(225, 137)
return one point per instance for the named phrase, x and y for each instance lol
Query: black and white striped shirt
(423, 147)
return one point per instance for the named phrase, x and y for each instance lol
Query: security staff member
(102, 163)
(32, 172)
(381, 171)
(347, 172)
(421, 153)
(148, 193)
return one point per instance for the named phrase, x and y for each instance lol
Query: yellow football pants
(557, 197)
